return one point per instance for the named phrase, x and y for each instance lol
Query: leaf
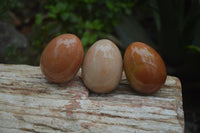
(94, 25)
(38, 19)
(64, 16)
(60, 7)
(90, 1)
(88, 38)
(52, 15)
(194, 48)
(88, 25)
(110, 5)
(97, 24)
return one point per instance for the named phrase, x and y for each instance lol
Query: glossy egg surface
(62, 58)
(144, 68)
(102, 67)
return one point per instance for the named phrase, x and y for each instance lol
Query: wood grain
(30, 103)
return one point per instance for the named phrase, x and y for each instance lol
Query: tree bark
(30, 103)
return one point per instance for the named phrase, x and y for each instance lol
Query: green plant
(89, 19)
(3, 9)
(179, 23)
(194, 48)
(6, 5)
(176, 27)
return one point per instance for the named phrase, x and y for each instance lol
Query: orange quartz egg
(62, 58)
(144, 68)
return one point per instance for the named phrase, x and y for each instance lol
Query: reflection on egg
(62, 57)
(144, 68)
(102, 67)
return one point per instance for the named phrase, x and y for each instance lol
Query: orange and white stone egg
(62, 58)
(144, 68)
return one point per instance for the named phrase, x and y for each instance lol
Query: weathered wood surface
(29, 103)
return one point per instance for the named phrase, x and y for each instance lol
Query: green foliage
(89, 19)
(176, 22)
(194, 48)
(38, 19)
(15, 4)
(11, 52)
(3, 9)
(5, 5)
(13, 55)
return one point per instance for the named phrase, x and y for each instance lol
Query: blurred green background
(172, 27)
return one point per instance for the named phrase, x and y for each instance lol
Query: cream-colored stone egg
(102, 67)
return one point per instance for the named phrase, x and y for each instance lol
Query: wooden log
(30, 103)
